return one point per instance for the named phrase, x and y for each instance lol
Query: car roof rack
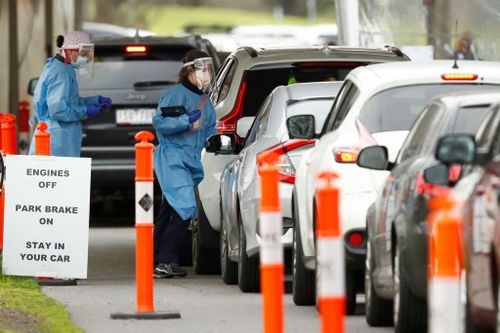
(250, 50)
(394, 50)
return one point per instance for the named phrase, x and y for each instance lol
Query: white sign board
(46, 224)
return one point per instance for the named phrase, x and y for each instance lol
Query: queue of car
(397, 132)
(380, 135)
(396, 264)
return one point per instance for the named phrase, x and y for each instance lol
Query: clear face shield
(82, 59)
(204, 73)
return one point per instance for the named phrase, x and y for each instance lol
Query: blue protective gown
(57, 102)
(177, 157)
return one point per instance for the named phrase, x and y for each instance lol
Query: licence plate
(134, 116)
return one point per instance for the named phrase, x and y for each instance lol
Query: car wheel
(350, 291)
(378, 310)
(470, 323)
(228, 268)
(409, 312)
(248, 268)
(186, 255)
(304, 283)
(205, 258)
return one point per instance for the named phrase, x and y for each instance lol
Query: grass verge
(24, 308)
(168, 19)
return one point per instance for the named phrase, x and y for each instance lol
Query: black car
(134, 72)
(396, 260)
(479, 193)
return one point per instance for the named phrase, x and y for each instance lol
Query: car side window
(488, 132)
(228, 79)
(259, 122)
(419, 137)
(221, 79)
(344, 107)
(335, 107)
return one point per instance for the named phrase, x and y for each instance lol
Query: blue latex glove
(105, 102)
(93, 110)
(194, 116)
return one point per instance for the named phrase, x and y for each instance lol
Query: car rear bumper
(286, 239)
(353, 210)
(354, 258)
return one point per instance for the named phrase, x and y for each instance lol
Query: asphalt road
(205, 303)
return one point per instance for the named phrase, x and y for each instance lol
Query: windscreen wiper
(152, 84)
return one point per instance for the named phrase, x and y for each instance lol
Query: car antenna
(455, 65)
(136, 37)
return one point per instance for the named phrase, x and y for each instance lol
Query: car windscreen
(260, 82)
(396, 109)
(142, 52)
(467, 119)
(115, 68)
(319, 108)
(132, 75)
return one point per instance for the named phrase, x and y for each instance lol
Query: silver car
(288, 123)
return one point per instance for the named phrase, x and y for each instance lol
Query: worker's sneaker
(172, 269)
(159, 274)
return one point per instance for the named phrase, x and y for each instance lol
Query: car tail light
(284, 164)
(345, 155)
(136, 49)
(454, 172)
(459, 77)
(228, 123)
(355, 238)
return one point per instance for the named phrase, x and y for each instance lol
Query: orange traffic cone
(9, 147)
(144, 233)
(330, 254)
(445, 266)
(271, 249)
(24, 128)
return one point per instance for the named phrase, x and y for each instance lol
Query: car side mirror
(243, 125)
(437, 174)
(456, 149)
(32, 85)
(224, 144)
(374, 157)
(301, 127)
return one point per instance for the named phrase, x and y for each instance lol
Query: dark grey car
(396, 261)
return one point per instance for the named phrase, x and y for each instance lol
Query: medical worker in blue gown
(57, 101)
(184, 120)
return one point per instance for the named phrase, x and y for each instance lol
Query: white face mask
(80, 62)
(203, 79)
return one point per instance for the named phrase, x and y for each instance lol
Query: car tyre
(205, 258)
(350, 291)
(248, 268)
(470, 324)
(304, 281)
(228, 268)
(378, 310)
(409, 312)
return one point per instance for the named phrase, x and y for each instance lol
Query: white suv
(244, 81)
(377, 105)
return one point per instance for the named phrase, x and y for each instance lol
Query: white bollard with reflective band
(271, 248)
